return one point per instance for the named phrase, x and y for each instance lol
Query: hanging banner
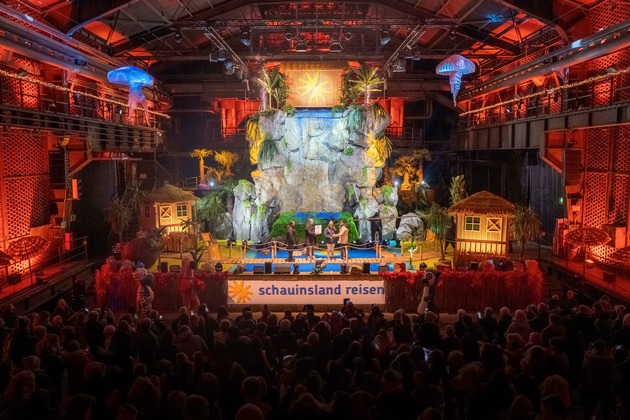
(313, 84)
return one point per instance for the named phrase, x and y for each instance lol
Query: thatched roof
(171, 194)
(483, 202)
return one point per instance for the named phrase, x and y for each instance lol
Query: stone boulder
(408, 221)
(366, 209)
(225, 228)
(388, 214)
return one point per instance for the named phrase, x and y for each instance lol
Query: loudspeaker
(383, 268)
(268, 268)
(259, 269)
(282, 269)
(355, 270)
(343, 269)
(14, 279)
(164, 267)
(366, 268)
(474, 266)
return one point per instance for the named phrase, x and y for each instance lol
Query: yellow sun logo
(315, 89)
(239, 292)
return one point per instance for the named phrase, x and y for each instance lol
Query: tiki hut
(482, 222)
(167, 207)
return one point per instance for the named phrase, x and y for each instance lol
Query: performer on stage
(343, 239)
(291, 240)
(144, 294)
(310, 239)
(189, 286)
(329, 238)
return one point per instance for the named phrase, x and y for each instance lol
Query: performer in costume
(189, 285)
(144, 293)
(427, 299)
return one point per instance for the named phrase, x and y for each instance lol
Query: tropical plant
(197, 253)
(226, 159)
(187, 225)
(118, 215)
(526, 226)
(377, 112)
(349, 92)
(268, 150)
(216, 173)
(383, 146)
(355, 118)
(366, 81)
(275, 85)
(210, 207)
(419, 156)
(201, 154)
(437, 219)
(457, 189)
(290, 110)
(225, 190)
(348, 151)
(134, 197)
(405, 166)
(252, 129)
(337, 108)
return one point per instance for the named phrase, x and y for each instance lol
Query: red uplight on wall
(75, 189)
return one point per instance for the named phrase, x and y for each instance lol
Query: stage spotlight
(246, 37)
(222, 55)
(347, 35)
(178, 36)
(301, 46)
(452, 34)
(385, 37)
(288, 36)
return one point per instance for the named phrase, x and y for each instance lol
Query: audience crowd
(559, 359)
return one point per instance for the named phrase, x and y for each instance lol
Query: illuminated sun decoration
(239, 292)
(313, 88)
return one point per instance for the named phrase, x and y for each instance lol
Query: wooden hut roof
(171, 194)
(483, 202)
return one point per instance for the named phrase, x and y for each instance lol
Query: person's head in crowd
(535, 339)
(504, 312)
(619, 310)
(80, 407)
(222, 312)
(195, 408)
(127, 411)
(521, 408)
(584, 310)
(39, 332)
(94, 371)
(429, 316)
(430, 413)
(520, 316)
(570, 294)
(461, 313)
(249, 412)
(449, 331)
(492, 357)
(553, 407)
(285, 324)
(272, 320)
(626, 321)
(31, 363)
(224, 325)
(556, 385)
(514, 341)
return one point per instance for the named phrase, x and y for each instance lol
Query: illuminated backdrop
(313, 84)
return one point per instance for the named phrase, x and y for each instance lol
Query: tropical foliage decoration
(366, 82)
(268, 150)
(201, 154)
(226, 159)
(276, 88)
(118, 215)
(210, 207)
(437, 219)
(457, 189)
(355, 118)
(526, 226)
(383, 146)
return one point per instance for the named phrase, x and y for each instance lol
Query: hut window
(165, 212)
(182, 210)
(472, 223)
(494, 224)
(147, 211)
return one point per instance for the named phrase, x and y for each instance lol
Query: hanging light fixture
(300, 45)
(178, 36)
(288, 35)
(455, 67)
(385, 36)
(335, 46)
(246, 37)
(452, 34)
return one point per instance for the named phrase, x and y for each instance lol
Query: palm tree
(419, 156)
(226, 160)
(118, 214)
(187, 225)
(134, 196)
(201, 154)
(211, 208)
(275, 85)
(457, 189)
(366, 82)
(405, 167)
(526, 226)
(438, 220)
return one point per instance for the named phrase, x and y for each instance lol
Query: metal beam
(541, 10)
(87, 11)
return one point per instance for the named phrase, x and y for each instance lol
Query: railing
(481, 247)
(70, 250)
(600, 93)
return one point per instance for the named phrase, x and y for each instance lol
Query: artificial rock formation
(318, 166)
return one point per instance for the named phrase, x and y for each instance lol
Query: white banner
(306, 291)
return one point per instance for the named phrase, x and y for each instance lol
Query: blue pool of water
(307, 268)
